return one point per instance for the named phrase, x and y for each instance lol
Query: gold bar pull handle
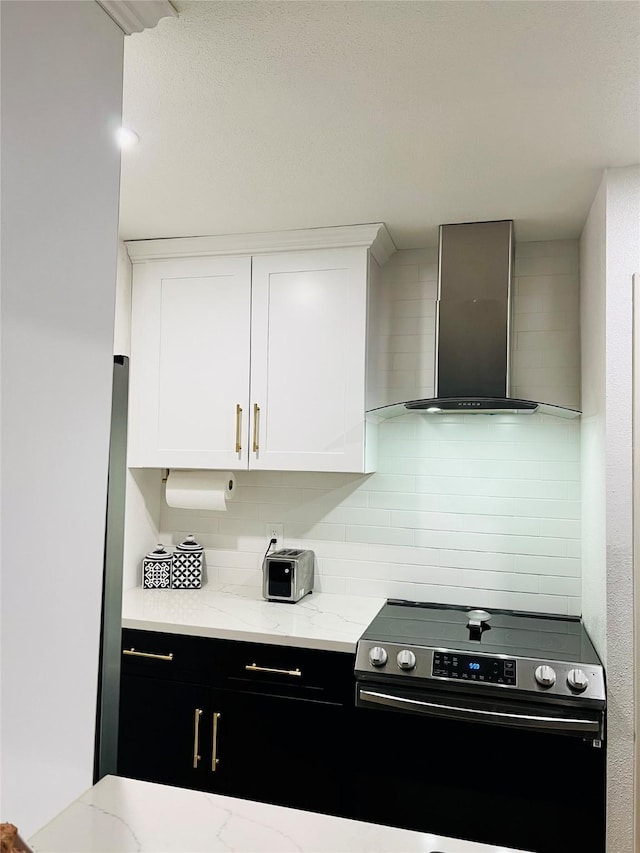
(214, 749)
(238, 428)
(137, 654)
(252, 667)
(196, 736)
(256, 427)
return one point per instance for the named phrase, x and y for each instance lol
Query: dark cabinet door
(284, 751)
(162, 736)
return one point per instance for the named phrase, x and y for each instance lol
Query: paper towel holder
(165, 477)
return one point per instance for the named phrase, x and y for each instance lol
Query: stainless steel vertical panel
(110, 637)
(474, 309)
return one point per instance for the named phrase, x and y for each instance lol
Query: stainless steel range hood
(473, 326)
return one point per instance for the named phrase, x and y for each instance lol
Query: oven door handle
(437, 709)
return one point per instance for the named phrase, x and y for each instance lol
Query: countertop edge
(213, 632)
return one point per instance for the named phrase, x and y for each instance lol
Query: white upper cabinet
(258, 358)
(308, 360)
(190, 348)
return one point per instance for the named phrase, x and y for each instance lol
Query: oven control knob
(377, 656)
(577, 680)
(545, 676)
(406, 659)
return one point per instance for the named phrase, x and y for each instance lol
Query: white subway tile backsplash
(427, 520)
(546, 249)
(556, 567)
(382, 535)
(413, 308)
(240, 577)
(574, 605)
(412, 290)
(546, 265)
(428, 271)
(357, 515)
(560, 586)
(406, 274)
(471, 510)
(380, 482)
(560, 527)
(403, 500)
(506, 581)
(574, 547)
(406, 343)
(529, 300)
(510, 525)
(420, 325)
(266, 494)
(540, 322)
(479, 560)
(507, 544)
(412, 256)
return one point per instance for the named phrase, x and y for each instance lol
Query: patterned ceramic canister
(156, 569)
(186, 570)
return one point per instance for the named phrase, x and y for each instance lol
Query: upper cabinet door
(190, 345)
(309, 316)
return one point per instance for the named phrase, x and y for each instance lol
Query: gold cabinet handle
(196, 736)
(238, 428)
(214, 748)
(252, 667)
(256, 426)
(137, 654)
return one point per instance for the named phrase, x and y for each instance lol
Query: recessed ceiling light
(126, 138)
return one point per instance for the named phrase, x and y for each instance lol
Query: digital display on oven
(474, 668)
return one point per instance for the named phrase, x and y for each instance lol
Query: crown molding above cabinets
(133, 16)
(373, 236)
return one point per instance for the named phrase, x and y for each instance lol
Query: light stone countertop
(319, 621)
(124, 815)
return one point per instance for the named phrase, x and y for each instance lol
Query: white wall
(610, 250)
(61, 100)
(468, 509)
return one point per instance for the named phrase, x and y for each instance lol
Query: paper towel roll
(200, 489)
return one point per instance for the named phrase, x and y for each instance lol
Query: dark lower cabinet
(281, 750)
(158, 731)
(264, 724)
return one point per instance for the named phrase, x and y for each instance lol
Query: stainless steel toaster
(288, 574)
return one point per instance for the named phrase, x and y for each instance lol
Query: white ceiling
(260, 116)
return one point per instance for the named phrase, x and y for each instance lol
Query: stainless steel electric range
(487, 725)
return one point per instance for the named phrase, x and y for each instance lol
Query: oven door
(506, 773)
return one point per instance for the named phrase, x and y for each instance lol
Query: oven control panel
(474, 668)
(414, 664)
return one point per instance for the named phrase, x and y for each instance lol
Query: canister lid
(189, 544)
(159, 553)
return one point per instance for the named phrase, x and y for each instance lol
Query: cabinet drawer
(173, 657)
(312, 674)
(289, 671)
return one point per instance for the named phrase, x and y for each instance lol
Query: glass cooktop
(561, 638)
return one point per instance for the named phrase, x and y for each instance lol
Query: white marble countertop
(319, 621)
(123, 815)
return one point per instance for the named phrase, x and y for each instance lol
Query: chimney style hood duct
(473, 326)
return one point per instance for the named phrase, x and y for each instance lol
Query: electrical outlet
(276, 531)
